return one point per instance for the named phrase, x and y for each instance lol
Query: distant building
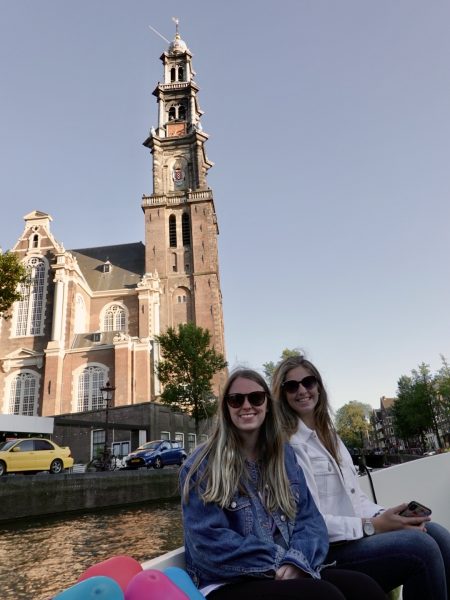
(90, 315)
(385, 438)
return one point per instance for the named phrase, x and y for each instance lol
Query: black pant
(336, 584)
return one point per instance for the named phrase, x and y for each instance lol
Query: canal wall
(23, 496)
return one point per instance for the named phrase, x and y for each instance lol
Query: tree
(187, 367)
(12, 274)
(269, 367)
(353, 423)
(442, 383)
(418, 403)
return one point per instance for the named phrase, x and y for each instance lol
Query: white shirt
(335, 490)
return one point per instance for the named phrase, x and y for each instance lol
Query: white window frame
(192, 442)
(26, 378)
(80, 314)
(118, 319)
(98, 376)
(29, 314)
(179, 437)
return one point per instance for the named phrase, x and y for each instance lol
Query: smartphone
(415, 509)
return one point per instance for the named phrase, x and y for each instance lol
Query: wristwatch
(368, 527)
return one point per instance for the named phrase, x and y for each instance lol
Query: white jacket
(335, 489)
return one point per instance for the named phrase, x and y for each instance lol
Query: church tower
(180, 220)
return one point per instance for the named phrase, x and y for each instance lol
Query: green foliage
(421, 397)
(353, 423)
(187, 367)
(269, 367)
(442, 383)
(12, 274)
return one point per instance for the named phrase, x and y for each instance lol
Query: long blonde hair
(225, 472)
(324, 425)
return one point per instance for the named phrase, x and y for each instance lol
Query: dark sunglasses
(237, 400)
(291, 386)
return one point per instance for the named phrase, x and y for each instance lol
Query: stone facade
(91, 315)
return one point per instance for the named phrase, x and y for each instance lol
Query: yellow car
(34, 454)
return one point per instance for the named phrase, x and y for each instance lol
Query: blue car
(156, 454)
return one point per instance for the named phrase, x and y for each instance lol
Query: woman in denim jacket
(251, 527)
(393, 549)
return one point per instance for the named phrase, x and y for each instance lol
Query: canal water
(39, 558)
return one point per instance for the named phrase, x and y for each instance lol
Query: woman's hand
(290, 572)
(391, 520)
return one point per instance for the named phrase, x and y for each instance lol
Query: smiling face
(304, 400)
(247, 419)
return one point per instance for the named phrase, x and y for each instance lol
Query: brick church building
(90, 315)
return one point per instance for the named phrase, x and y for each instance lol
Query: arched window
(30, 310)
(23, 395)
(172, 113)
(114, 318)
(172, 231)
(186, 229)
(181, 306)
(90, 381)
(35, 241)
(180, 74)
(181, 112)
(80, 315)
(172, 74)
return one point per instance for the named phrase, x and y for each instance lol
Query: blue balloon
(184, 582)
(94, 588)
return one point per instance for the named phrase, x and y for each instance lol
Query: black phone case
(415, 509)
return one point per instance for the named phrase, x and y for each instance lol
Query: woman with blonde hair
(251, 528)
(393, 549)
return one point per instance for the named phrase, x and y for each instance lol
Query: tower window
(172, 113)
(186, 229)
(181, 112)
(172, 231)
(180, 74)
(35, 241)
(172, 74)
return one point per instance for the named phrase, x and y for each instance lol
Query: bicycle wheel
(94, 465)
(115, 464)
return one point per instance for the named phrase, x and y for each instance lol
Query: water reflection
(42, 557)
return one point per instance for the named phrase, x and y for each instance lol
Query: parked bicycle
(105, 461)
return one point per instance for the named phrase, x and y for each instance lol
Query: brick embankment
(24, 496)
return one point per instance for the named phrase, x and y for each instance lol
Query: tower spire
(176, 20)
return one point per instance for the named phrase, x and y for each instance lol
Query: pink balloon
(151, 584)
(120, 568)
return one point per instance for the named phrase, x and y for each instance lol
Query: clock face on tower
(176, 129)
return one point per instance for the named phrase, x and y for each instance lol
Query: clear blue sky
(329, 127)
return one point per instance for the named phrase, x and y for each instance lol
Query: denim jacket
(244, 540)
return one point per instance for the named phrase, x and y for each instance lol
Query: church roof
(126, 264)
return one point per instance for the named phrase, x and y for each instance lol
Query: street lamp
(107, 392)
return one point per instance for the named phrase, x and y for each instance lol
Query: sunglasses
(237, 400)
(291, 385)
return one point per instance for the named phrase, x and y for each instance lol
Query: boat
(425, 480)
